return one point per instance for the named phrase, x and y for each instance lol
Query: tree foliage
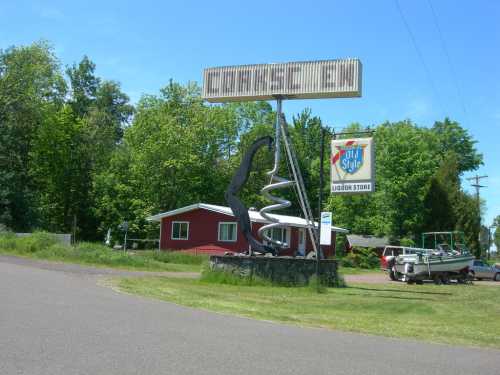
(73, 150)
(417, 183)
(496, 233)
(29, 80)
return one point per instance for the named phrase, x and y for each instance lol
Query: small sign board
(352, 166)
(325, 231)
(295, 80)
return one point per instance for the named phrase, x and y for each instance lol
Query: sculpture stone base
(279, 270)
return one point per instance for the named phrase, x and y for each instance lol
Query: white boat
(433, 265)
(449, 259)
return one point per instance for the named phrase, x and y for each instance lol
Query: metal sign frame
(294, 80)
(297, 80)
(347, 184)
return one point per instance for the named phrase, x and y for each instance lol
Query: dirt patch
(370, 278)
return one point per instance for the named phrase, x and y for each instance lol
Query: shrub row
(44, 246)
(361, 258)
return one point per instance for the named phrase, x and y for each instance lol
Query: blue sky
(144, 44)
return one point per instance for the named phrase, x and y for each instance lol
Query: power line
(420, 56)
(477, 184)
(450, 63)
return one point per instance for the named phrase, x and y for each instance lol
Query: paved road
(63, 323)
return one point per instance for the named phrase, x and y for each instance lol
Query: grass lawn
(453, 314)
(42, 246)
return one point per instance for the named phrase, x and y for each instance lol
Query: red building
(207, 228)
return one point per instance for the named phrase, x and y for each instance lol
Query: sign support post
(295, 80)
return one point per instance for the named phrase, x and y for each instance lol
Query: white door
(302, 242)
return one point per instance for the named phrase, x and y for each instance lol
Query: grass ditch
(453, 314)
(43, 246)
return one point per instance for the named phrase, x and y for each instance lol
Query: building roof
(365, 240)
(255, 216)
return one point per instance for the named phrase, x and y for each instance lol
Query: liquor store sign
(352, 166)
(296, 80)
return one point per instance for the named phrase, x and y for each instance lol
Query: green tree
(84, 86)
(405, 163)
(455, 139)
(305, 133)
(441, 197)
(103, 110)
(175, 153)
(61, 167)
(30, 79)
(467, 220)
(496, 235)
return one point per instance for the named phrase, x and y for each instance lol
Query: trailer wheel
(392, 275)
(437, 280)
(445, 279)
(419, 282)
(497, 277)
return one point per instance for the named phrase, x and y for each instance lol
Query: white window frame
(302, 231)
(287, 235)
(172, 231)
(227, 222)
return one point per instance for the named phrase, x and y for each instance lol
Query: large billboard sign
(294, 80)
(353, 166)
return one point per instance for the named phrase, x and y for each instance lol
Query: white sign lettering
(353, 166)
(296, 80)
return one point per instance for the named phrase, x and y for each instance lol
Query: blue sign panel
(351, 159)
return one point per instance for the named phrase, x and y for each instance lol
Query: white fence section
(64, 238)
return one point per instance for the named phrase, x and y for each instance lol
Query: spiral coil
(275, 183)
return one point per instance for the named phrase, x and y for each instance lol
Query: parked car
(482, 270)
(387, 260)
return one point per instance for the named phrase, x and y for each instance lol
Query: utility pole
(319, 253)
(321, 183)
(477, 185)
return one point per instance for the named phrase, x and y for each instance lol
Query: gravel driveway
(382, 278)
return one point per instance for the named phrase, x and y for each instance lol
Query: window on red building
(180, 230)
(227, 232)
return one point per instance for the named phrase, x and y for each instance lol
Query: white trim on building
(180, 238)
(233, 231)
(255, 217)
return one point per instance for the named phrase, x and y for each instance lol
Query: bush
(29, 244)
(44, 246)
(361, 258)
(177, 257)
(8, 241)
